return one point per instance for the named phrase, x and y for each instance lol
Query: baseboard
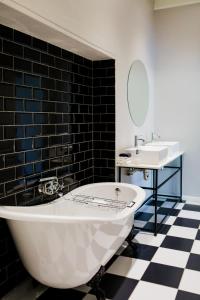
(191, 199)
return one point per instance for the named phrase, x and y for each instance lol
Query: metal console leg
(119, 174)
(155, 190)
(181, 178)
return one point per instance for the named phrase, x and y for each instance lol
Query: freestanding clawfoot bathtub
(64, 243)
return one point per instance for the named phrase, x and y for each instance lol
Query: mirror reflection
(138, 92)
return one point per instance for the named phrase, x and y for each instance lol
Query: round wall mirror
(138, 92)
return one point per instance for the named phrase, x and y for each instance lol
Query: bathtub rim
(16, 212)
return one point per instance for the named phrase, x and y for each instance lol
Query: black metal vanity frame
(155, 187)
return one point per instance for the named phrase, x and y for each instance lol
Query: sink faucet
(155, 136)
(50, 186)
(138, 139)
(136, 143)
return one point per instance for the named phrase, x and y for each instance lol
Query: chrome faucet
(50, 186)
(154, 136)
(138, 139)
(136, 143)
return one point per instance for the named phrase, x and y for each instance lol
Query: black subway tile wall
(104, 120)
(57, 118)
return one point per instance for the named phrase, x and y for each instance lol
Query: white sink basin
(148, 155)
(173, 147)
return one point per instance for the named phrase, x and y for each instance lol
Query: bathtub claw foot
(94, 283)
(130, 237)
(129, 240)
(99, 293)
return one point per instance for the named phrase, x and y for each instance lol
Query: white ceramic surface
(63, 244)
(148, 154)
(173, 147)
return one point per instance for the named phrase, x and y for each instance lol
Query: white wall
(125, 29)
(177, 88)
(121, 27)
(162, 4)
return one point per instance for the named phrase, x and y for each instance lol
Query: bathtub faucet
(50, 186)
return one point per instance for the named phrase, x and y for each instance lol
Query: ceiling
(162, 4)
(56, 35)
(50, 33)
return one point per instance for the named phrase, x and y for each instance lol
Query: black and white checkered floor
(164, 267)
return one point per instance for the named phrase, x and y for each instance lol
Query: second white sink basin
(173, 147)
(148, 155)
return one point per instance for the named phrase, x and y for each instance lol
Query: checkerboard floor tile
(190, 282)
(141, 251)
(117, 287)
(170, 220)
(147, 209)
(147, 238)
(144, 216)
(160, 218)
(140, 224)
(187, 222)
(151, 203)
(171, 257)
(163, 274)
(71, 294)
(196, 247)
(129, 267)
(188, 214)
(166, 266)
(191, 207)
(198, 235)
(181, 295)
(165, 210)
(150, 226)
(183, 232)
(146, 290)
(173, 242)
(179, 205)
(194, 262)
(167, 204)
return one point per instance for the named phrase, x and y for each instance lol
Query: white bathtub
(63, 244)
